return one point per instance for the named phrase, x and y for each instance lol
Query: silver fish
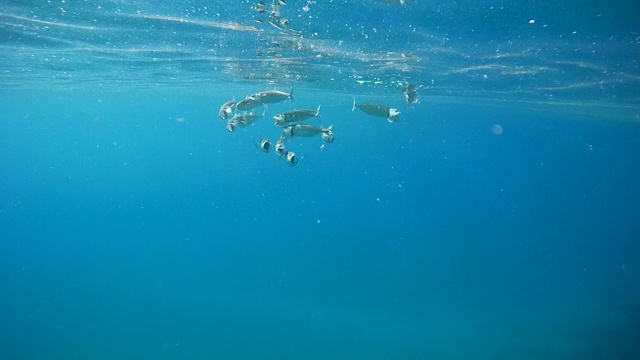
(281, 150)
(265, 145)
(411, 94)
(292, 159)
(245, 120)
(260, 7)
(295, 116)
(274, 96)
(226, 109)
(391, 114)
(300, 130)
(242, 121)
(249, 103)
(232, 125)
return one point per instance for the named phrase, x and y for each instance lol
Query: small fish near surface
(292, 159)
(249, 103)
(295, 116)
(282, 151)
(300, 130)
(391, 114)
(260, 7)
(243, 120)
(273, 96)
(265, 145)
(411, 95)
(226, 109)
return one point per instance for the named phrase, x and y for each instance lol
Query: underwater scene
(319, 179)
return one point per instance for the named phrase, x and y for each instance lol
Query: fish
(232, 125)
(260, 7)
(391, 114)
(249, 103)
(274, 96)
(265, 145)
(226, 109)
(300, 130)
(295, 116)
(280, 23)
(411, 95)
(281, 150)
(243, 120)
(292, 159)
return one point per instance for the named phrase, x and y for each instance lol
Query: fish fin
(354, 105)
(318, 111)
(291, 94)
(329, 128)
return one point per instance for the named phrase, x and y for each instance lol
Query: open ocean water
(498, 219)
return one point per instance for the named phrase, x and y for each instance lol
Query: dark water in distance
(497, 220)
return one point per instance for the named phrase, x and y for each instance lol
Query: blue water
(499, 219)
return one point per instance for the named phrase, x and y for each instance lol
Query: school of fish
(293, 123)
